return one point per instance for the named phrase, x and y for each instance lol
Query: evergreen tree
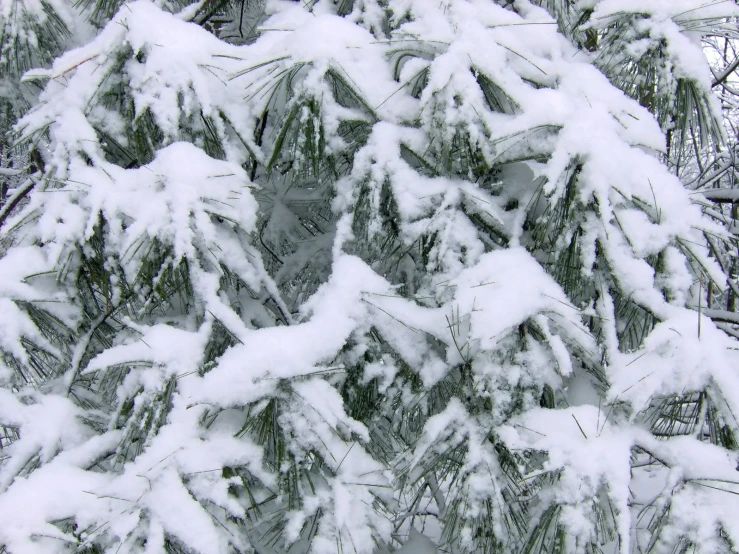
(368, 276)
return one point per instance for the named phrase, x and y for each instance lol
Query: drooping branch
(20, 193)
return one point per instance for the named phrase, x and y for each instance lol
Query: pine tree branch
(20, 193)
(721, 77)
(4, 171)
(84, 345)
(722, 196)
(721, 315)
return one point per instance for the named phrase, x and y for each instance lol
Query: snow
(15, 324)
(179, 514)
(460, 329)
(675, 358)
(334, 309)
(588, 453)
(53, 492)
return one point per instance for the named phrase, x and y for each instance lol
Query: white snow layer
(202, 211)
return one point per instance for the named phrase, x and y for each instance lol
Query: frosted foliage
(34, 32)
(119, 76)
(653, 51)
(368, 277)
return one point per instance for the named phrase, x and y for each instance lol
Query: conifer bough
(368, 276)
